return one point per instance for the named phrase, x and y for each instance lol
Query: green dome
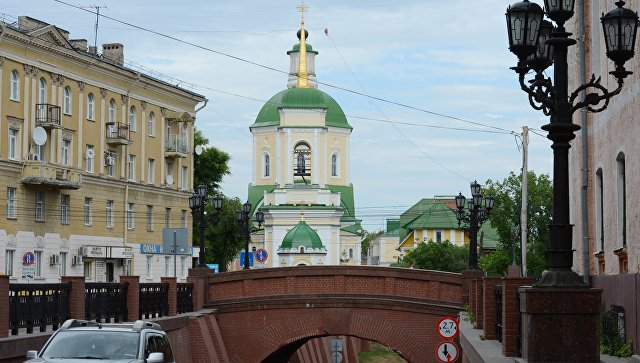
(301, 236)
(269, 115)
(296, 48)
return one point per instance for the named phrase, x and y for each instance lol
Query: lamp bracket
(594, 98)
(540, 91)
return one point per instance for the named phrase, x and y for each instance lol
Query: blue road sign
(28, 258)
(250, 258)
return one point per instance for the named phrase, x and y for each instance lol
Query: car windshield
(93, 344)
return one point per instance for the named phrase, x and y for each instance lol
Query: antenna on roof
(97, 7)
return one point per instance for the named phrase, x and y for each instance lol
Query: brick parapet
(511, 313)
(4, 303)
(77, 298)
(133, 296)
(467, 277)
(489, 306)
(172, 295)
(201, 288)
(478, 302)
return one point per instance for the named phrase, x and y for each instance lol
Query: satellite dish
(90, 153)
(169, 180)
(39, 136)
(198, 149)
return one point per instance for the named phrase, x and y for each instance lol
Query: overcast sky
(439, 64)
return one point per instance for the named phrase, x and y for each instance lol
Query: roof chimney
(114, 53)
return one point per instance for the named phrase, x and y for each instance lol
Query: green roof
(301, 236)
(346, 201)
(296, 48)
(437, 216)
(393, 228)
(355, 228)
(311, 98)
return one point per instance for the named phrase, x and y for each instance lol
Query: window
(39, 151)
(88, 219)
(14, 86)
(38, 263)
(112, 111)
(39, 206)
(438, 236)
(167, 263)
(350, 253)
(8, 262)
(149, 218)
(183, 266)
(131, 170)
(167, 217)
(89, 158)
(168, 128)
(130, 224)
(109, 214)
(66, 147)
(88, 270)
(13, 143)
(151, 171)
(91, 107)
(64, 208)
(169, 172)
(152, 124)
(183, 219)
(133, 126)
(184, 178)
(66, 101)
(302, 161)
(110, 163)
(11, 202)
(42, 92)
(622, 201)
(266, 169)
(62, 268)
(599, 211)
(149, 264)
(334, 165)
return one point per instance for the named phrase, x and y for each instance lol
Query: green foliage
(211, 166)
(506, 216)
(223, 239)
(365, 244)
(379, 353)
(468, 315)
(441, 256)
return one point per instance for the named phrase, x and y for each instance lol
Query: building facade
(301, 173)
(383, 247)
(95, 160)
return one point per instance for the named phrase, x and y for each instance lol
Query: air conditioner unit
(76, 261)
(110, 161)
(54, 260)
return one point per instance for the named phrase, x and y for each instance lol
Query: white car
(87, 341)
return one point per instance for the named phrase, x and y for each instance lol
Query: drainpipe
(585, 147)
(125, 234)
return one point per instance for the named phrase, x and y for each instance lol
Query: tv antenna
(97, 11)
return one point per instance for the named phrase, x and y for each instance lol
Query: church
(300, 177)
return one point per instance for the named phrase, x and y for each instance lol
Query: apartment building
(95, 160)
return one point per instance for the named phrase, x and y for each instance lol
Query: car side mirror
(32, 354)
(156, 357)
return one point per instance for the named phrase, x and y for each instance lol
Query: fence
(105, 301)
(185, 298)
(38, 305)
(153, 300)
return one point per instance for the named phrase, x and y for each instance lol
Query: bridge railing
(48, 305)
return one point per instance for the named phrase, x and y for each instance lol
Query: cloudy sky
(444, 109)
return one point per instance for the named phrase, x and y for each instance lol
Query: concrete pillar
(172, 295)
(133, 296)
(77, 298)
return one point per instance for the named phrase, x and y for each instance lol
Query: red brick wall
(4, 303)
(489, 307)
(511, 313)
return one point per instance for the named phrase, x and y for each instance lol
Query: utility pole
(525, 194)
(97, 7)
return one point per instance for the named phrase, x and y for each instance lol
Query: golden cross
(302, 8)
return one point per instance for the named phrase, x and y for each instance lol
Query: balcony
(48, 116)
(176, 146)
(118, 133)
(52, 175)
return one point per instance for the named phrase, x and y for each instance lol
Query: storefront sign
(121, 252)
(150, 248)
(95, 251)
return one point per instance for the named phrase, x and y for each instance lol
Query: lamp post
(197, 202)
(538, 45)
(473, 218)
(243, 217)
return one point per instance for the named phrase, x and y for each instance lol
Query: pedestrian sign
(448, 328)
(447, 352)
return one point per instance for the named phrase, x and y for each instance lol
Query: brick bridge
(266, 315)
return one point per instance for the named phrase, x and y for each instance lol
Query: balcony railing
(118, 133)
(176, 146)
(58, 176)
(48, 116)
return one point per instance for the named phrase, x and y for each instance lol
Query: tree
(210, 166)
(223, 239)
(441, 256)
(506, 216)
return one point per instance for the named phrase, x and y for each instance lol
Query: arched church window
(302, 161)
(301, 249)
(267, 166)
(350, 252)
(334, 165)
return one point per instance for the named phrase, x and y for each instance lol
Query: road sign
(336, 357)
(28, 272)
(28, 259)
(261, 255)
(448, 328)
(250, 258)
(447, 352)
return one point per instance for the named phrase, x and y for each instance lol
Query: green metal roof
(393, 228)
(437, 216)
(301, 236)
(355, 228)
(311, 98)
(296, 48)
(346, 200)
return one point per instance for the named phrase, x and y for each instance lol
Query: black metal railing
(153, 300)
(185, 298)
(105, 301)
(498, 292)
(38, 305)
(117, 131)
(47, 115)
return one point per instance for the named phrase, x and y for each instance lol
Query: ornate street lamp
(242, 216)
(528, 39)
(197, 202)
(476, 215)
